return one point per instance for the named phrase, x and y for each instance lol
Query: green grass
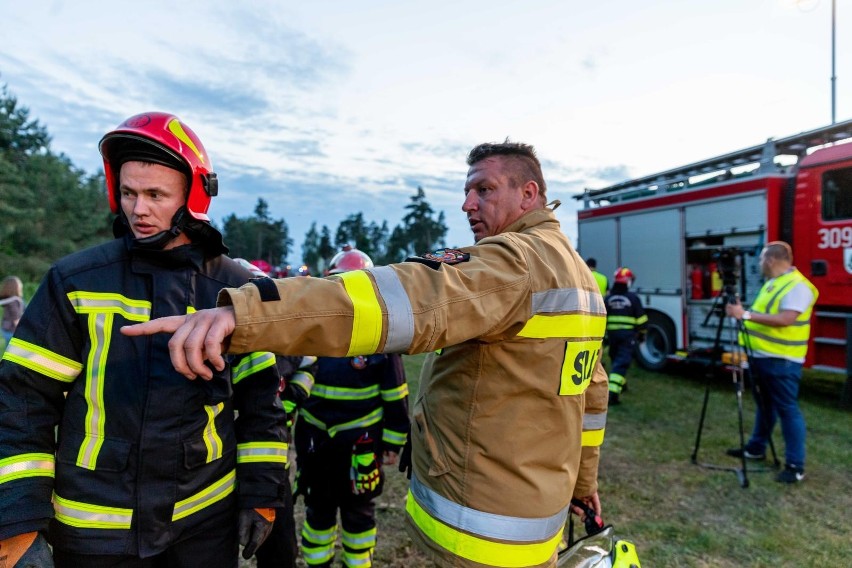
(681, 514)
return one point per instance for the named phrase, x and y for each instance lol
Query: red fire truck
(692, 232)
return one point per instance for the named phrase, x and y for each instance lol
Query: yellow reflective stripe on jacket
(251, 364)
(400, 327)
(594, 426)
(42, 361)
(367, 313)
(212, 441)
(89, 516)
(342, 393)
(565, 325)
(473, 534)
(101, 307)
(262, 452)
(368, 420)
(397, 393)
(100, 333)
(110, 302)
(26, 465)
(206, 497)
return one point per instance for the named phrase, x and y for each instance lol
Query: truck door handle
(819, 268)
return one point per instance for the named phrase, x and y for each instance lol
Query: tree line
(50, 208)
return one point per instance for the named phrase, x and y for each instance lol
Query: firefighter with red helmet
(354, 422)
(625, 320)
(146, 467)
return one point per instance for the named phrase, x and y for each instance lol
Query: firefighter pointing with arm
(149, 469)
(512, 405)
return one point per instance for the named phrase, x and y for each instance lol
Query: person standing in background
(12, 300)
(354, 422)
(601, 279)
(777, 327)
(625, 321)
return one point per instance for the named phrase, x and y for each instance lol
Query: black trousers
(210, 548)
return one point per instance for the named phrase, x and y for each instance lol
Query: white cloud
(308, 103)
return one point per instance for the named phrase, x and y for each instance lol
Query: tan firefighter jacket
(512, 404)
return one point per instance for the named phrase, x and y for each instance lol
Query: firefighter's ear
(529, 195)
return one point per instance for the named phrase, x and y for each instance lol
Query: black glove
(254, 526)
(405, 458)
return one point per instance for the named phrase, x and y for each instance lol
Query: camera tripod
(738, 366)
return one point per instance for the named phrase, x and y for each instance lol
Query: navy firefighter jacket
(354, 394)
(142, 456)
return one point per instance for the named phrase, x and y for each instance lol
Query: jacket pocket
(433, 446)
(110, 454)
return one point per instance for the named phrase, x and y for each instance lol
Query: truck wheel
(652, 354)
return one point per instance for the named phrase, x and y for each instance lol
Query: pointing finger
(160, 325)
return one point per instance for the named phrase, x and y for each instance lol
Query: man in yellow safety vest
(776, 329)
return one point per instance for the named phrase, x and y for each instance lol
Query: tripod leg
(701, 423)
(744, 471)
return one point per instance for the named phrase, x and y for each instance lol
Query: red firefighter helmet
(351, 259)
(163, 139)
(624, 276)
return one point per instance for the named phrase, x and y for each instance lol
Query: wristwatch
(746, 315)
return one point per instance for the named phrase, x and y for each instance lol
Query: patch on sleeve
(267, 288)
(439, 257)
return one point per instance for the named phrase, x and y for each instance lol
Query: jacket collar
(531, 219)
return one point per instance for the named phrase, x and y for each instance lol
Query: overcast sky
(326, 108)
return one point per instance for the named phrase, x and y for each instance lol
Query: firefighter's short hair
(523, 164)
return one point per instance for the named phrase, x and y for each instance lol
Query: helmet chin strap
(161, 239)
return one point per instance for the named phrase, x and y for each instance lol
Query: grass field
(680, 514)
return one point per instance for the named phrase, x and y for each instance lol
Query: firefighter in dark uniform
(279, 550)
(625, 321)
(148, 469)
(355, 421)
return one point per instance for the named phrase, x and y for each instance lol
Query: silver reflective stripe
(360, 540)
(594, 421)
(108, 302)
(87, 515)
(26, 465)
(262, 452)
(100, 330)
(343, 393)
(303, 379)
(488, 525)
(400, 314)
(568, 300)
(42, 360)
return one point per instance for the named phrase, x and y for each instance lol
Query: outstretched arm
(197, 338)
